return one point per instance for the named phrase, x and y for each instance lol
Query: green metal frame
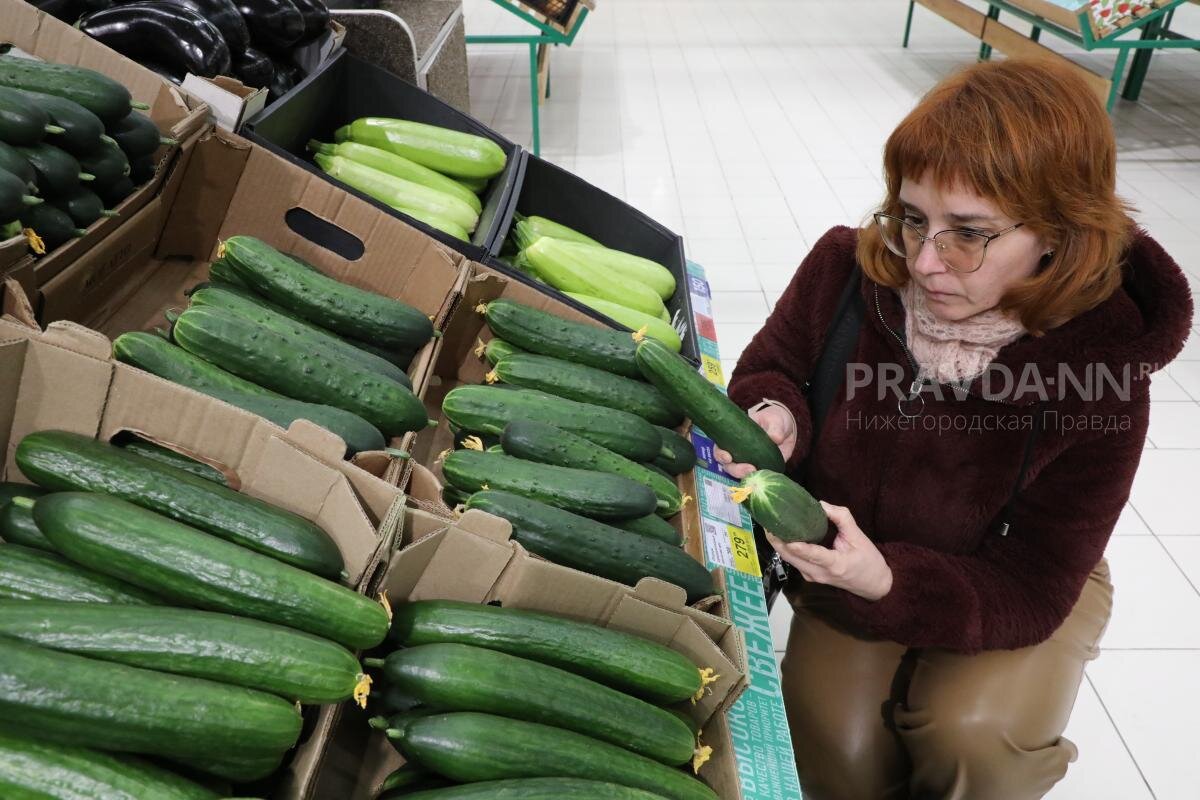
(549, 35)
(1155, 34)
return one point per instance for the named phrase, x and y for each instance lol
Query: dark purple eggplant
(172, 35)
(163, 71)
(69, 10)
(254, 68)
(316, 17)
(222, 13)
(274, 24)
(284, 79)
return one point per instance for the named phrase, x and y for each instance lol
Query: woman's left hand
(854, 563)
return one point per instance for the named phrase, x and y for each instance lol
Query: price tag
(712, 369)
(718, 505)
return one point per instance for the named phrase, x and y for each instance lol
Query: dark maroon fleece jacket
(931, 491)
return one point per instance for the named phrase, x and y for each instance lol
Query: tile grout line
(1117, 730)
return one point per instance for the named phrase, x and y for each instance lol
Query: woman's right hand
(779, 424)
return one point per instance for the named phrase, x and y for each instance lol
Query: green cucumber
(55, 171)
(281, 363)
(101, 95)
(782, 506)
(11, 489)
(171, 458)
(28, 574)
(54, 227)
(678, 456)
(488, 409)
(594, 494)
(33, 770)
(82, 205)
(650, 525)
(534, 789)
(137, 135)
(318, 340)
(658, 327)
(63, 461)
(621, 660)
(567, 539)
(17, 527)
(406, 780)
(335, 306)
(72, 700)
(459, 677)
(200, 644)
(541, 332)
(15, 199)
(141, 170)
(81, 129)
(12, 161)
(708, 407)
(587, 385)
(158, 356)
(546, 444)
(401, 358)
(22, 122)
(107, 163)
(470, 747)
(451, 497)
(115, 194)
(194, 568)
(495, 350)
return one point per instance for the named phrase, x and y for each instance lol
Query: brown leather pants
(874, 720)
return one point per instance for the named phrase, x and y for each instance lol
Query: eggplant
(316, 17)
(221, 13)
(179, 38)
(164, 72)
(285, 78)
(274, 24)
(69, 10)
(254, 68)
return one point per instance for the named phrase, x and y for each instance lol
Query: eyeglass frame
(987, 239)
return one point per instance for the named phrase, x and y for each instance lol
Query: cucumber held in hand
(709, 408)
(450, 152)
(782, 506)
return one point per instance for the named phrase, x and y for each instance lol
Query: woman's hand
(779, 425)
(854, 563)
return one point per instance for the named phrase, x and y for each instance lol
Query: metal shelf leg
(534, 99)
(985, 50)
(1141, 62)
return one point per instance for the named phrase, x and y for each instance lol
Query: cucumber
(401, 358)
(406, 780)
(588, 385)
(137, 135)
(335, 306)
(12, 161)
(540, 332)
(281, 363)
(82, 205)
(565, 538)
(657, 327)
(17, 527)
(141, 170)
(591, 493)
(55, 227)
(451, 497)
(495, 350)
(450, 152)
(10, 489)
(621, 660)
(783, 507)
(650, 525)
(194, 568)
(27, 574)
(708, 407)
(488, 409)
(22, 123)
(63, 461)
(318, 340)
(81, 129)
(72, 700)
(101, 95)
(535, 789)
(107, 163)
(32, 770)
(55, 171)
(200, 644)
(14, 196)
(115, 194)
(165, 455)
(158, 356)
(546, 444)
(471, 747)
(221, 272)
(678, 456)
(459, 677)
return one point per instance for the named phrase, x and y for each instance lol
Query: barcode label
(717, 502)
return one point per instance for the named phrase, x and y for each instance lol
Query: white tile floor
(751, 127)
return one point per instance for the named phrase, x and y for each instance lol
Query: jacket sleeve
(1015, 590)
(781, 356)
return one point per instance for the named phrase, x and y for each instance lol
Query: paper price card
(712, 369)
(730, 547)
(715, 502)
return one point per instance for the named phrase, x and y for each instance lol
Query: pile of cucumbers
(273, 335)
(72, 147)
(147, 609)
(492, 702)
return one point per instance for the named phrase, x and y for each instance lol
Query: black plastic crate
(346, 88)
(549, 191)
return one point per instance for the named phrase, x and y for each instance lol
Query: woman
(940, 637)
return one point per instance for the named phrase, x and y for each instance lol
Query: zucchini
(158, 356)
(782, 506)
(335, 306)
(63, 461)
(194, 568)
(621, 660)
(317, 340)
(488, 409)
(200, 644)
(137, 135)
(107, 163)
(541, 332)
(72, 700)
(82, 205)
(33, 770)
(450, 152)
(22, 123)
(54, 227)
(28, 574)
(81, 129)
(534, 789)
(678, 455)
(622, 266)
(561, 265)
(12, 161)
(471, 747)
(546, 444)
(655, 327)
(459, 677)
(495, 350)
(708, 407)
(587, 385)
(101, 95)
(529, 229)
(288, 366)
(165, 455)
(400, 167)
(476, 185)
(650, 525)
(591, 493)
(17, 527)
(55, 171)
(564, 538)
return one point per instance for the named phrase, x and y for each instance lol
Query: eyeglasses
(960, 250)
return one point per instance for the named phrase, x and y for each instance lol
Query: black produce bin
(346, 88)
(549, 191)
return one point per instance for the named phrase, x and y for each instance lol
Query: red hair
(1031, 136)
